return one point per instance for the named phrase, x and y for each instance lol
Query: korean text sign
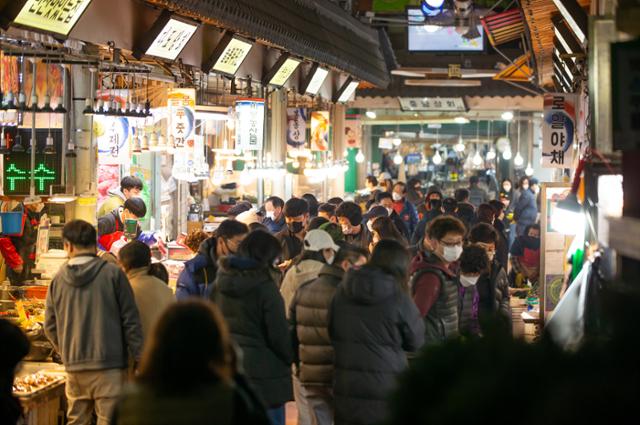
(558, 130)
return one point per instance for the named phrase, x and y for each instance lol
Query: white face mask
(330, 259)
(396, 196)
(390, 211)
(271, 215)
(452, 253)
(468, 281)
(370, 226)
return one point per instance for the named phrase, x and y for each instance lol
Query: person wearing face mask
(246, 291)
(383, 228)
(432, 209)
(199, 274)
(404, 208)
(296, 216)
(506, 192)
(19, 252)
(274, 217)
(111, 226)
(525, 211)
(319, 250)
(415, 195)
(309, 323)
(525, 257)
(473, 263)
(493, 284)
(433, 279)
(350, 219)
(385, 200)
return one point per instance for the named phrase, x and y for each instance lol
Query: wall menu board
(54, 16)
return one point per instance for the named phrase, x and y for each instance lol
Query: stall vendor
(111, 226)
(130, 187)
(19, 252)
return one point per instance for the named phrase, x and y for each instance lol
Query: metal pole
(34, 144)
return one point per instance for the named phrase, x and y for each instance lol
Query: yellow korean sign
(56, 16)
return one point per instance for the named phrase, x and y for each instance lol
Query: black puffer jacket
(250, 302)
(372, 324)
(309, 322)
(493, 288)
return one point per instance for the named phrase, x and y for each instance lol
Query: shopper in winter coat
(247, 294)
(199, 274)
(319, 249)
(296, 216)
(525, 211)
(14, 346)
(111, 225)
(434, 283)
(349, 216)
(309, 323)
(92, 320)
(385, 200)
(473, 263)
(152, 295)
(404, 208)
(274, 214)
(477, 195)
(187, 375)
(493, 284)
(372, 323)
(130, 187)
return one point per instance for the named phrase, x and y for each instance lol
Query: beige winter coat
(152, 296)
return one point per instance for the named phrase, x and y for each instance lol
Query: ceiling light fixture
(507, 116)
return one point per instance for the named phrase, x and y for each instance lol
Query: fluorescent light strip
(563, 42)
(562, 75)
(558, 57)
(569, 18)
(317, 80)
(348, 91)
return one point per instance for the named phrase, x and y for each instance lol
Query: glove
(148, 237)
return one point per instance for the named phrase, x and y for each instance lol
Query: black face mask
(295, 227)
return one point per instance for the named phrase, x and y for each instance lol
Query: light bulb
(477, 159)
(437, 159)
(296, 164)
(397, 141)
(491, 155)
(506, 155)
(360, 157)
(507, 115)
(397, 159)
(371, 115)
(518, 160)
(461, 120)
(529, 170)
(459, 147)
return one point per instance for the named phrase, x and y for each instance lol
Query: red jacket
(9, 252)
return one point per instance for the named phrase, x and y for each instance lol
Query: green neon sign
(12, 174)
(42, 174)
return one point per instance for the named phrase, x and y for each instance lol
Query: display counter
(40, 388)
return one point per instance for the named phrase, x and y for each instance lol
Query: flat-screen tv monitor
(432, 38)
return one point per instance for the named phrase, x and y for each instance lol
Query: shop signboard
(296, 128)
(625, 79)
(320, 125)
(112, 135)
(433, 104)
(186, 159)
(250, 124)
(53, 16)
(558, 130)
(353, 133)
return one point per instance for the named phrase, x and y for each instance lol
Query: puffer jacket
(430, 276)
(298, 274)
(254, 310)
(372, 323)
(199, 274)
(309, 323)
(493, 289)
(525, 210)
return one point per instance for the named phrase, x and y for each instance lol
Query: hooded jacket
(91, 316)
(309, 323)
(300, 273)
(199, 274)
(249, 299)
(372, 323)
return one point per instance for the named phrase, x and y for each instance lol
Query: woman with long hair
(373, 322)
(384, 228)
(186, 376)
(246, 290)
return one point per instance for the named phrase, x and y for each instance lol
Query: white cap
(248, 217)
(30, 200)
(317, 240)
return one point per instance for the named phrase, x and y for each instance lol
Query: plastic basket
(12, 223)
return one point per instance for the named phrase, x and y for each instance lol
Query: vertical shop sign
(353, 133)
(296, 128)
(112, 135)
(181, 105)
(250, 124)
(558, 130)
(320, 125)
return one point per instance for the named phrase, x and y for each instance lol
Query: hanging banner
(296, 128)
(181, 129)
(320, 131)
(558, 130)
(250, 124)
(353, 133)
(112, 136)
